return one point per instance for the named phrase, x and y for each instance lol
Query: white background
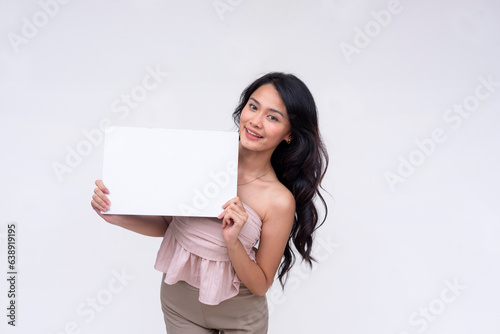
(385, 254)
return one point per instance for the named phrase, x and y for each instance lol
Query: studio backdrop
(408, 95)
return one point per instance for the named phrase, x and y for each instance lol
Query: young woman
(214, 279)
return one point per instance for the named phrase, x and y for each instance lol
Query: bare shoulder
(280, 204)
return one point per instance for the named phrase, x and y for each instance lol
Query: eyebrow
(274, 110)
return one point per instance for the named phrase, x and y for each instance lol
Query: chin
(256, 147)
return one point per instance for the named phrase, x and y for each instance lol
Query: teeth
(253, 134)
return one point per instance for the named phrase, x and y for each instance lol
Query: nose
(256, 120)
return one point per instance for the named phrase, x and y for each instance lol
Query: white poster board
(167, 172)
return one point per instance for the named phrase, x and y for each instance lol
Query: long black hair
(300, 165)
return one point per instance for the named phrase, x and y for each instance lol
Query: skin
(264, 114)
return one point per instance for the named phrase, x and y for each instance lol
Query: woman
(214, 279)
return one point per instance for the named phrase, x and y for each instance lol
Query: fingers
(101, 186)
(234, 213)
(99, 200)
(235, 202)
(98, 203)
(97, 210)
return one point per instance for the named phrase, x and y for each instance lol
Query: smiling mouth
(252, 133)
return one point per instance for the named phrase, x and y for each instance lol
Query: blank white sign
(167, 172)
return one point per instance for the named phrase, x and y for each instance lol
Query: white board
(167, 172)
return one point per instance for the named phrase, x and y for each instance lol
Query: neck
(252, 162)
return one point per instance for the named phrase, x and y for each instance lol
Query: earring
(288, 141)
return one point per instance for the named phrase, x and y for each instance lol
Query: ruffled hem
(216, 280)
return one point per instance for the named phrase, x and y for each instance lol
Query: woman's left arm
(276, 228)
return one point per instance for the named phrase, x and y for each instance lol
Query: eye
(252, 106)
(272, 118)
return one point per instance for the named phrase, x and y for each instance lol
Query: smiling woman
(214, 279)
(299, 159)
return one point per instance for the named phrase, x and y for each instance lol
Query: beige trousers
(184, 314)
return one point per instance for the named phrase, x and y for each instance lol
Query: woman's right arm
(153, 226)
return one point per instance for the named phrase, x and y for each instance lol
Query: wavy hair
(300, 165)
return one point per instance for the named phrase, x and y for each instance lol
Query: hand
(100, 202)
(233, 219)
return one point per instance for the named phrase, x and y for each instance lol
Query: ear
(288, 138)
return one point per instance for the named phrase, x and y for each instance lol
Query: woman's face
(264, 120)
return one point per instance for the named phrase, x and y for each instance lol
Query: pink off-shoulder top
(193, 250)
